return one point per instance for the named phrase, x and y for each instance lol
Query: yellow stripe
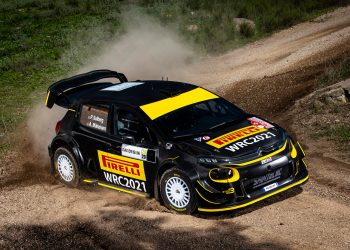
(72, 110)
(205, 198)
(264, 157)
(301, 148)
(253, 201)
(305, 163)
(120, 189)
(162, 107)
(293, 154)
(88, 181)
(47, 97)
(297, 168)
(174, 158)
(204, 187)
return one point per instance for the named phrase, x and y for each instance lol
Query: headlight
(224, 175)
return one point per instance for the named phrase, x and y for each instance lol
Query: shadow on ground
(120, 230)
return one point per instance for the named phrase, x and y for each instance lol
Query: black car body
(173, 141)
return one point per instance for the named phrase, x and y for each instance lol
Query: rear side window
(95, 117)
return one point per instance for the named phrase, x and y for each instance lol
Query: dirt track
(36, 211)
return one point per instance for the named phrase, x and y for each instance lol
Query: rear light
(58, 127)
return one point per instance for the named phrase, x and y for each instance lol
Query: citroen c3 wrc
(177, 142)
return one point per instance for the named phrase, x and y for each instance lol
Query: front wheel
(66, 167)
(177, 192)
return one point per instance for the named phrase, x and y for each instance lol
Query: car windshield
(199, 118)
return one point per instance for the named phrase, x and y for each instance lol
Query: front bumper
(258, 180)
(285, 185)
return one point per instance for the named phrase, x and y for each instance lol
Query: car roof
(135, 93)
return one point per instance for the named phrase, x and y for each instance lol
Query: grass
(335, 73)
(43, 40)
(215, 18)
(340, 133)
(34, 36)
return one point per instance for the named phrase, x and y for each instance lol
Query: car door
(92, 134)
(131, 159)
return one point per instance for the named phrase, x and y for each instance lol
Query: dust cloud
(41, 126)
(145, 50)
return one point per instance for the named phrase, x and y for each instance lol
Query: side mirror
(129, 139)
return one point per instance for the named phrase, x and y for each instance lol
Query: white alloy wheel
(177, 192)
(65, 168)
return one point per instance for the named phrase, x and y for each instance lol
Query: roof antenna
(162, 78)
(167, 78)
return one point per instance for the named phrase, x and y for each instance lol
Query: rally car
(177, 142)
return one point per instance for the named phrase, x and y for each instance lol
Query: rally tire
(177, 192)
(66, 167)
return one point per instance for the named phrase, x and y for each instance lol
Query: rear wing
(59, 90)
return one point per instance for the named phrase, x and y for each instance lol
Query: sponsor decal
(260, 181)
(121, 165)
(271, 186)
(125, 181)
(205, 138)
(122, 86)
(235, 135)
(249, 141)
(266, 160)
(134, 152)
(198, 139)
(260, 123)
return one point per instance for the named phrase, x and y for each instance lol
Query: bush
(339, 133)
(335, 73)
(247, 30)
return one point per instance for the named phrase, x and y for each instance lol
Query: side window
(128, 124)
(95, 117)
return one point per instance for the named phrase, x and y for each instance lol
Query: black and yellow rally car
(174, 141)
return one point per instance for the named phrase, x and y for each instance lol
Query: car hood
(244, 138)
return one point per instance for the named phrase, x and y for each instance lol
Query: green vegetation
(335, 73)
(340, 133)
(215, 18)
(35, 36)
(246, 30)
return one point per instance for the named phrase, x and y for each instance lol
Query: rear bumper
(301, 178)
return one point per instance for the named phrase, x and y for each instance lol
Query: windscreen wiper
(221, 124)
(189, 135)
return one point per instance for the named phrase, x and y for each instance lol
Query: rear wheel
(66, 167)
(177, 191)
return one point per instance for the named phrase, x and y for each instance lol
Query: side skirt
(117, 188)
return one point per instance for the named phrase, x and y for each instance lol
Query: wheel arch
(70, 145)
(190, 172)
(164, 167)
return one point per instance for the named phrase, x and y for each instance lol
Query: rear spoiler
(58, 89)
